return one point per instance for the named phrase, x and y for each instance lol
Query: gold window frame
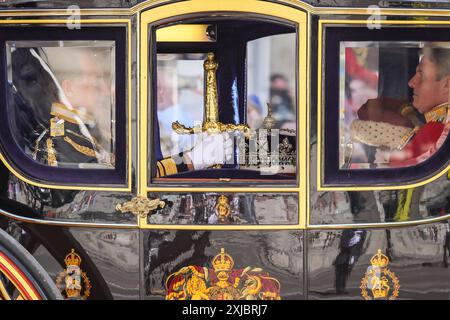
(275, 10)
(320, 103)
(341, 15)
(93, 23)
(322, 23)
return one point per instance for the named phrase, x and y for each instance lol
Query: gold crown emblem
(379, 260)
(380, 291)
(223, 208)
(223, 200)
(72, 293)
(72, 259)
(222, 261)
(379, 279)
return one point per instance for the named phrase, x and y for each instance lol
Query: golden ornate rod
(211, 122)
(211, 108)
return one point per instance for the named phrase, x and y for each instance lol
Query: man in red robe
(430, 85)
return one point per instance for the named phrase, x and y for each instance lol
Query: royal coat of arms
(73, 282)
(221, 282)
(379, 282)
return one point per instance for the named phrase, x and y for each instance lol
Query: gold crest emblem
(379, 282)
(223, 209)
(221, 282)
(72, 280)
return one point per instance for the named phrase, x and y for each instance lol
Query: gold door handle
(140, 206)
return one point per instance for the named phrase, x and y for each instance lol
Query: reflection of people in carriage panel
(417, 140)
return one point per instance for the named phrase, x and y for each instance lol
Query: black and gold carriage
(224, 149)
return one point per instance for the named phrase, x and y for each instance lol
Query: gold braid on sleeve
(51, 153)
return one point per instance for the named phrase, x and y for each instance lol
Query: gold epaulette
(437, 114)
(70, 114)
(166, 167)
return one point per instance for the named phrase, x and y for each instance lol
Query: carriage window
(224, 113)
(62, 101)
(393, 102)
(385, 105)
(179, 97)
(271, 81)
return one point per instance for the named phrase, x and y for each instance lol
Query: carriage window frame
(330, 175)
(41, 174)
(211, 46)
(159, 16)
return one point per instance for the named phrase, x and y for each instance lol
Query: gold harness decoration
(72, 280)
(379, 280)
(222, 282)
(211, 123)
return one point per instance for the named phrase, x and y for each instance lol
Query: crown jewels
(379, 260)
(72, 259)
(222, 261)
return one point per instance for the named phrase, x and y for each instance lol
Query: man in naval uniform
(64, 143)
(72, 137)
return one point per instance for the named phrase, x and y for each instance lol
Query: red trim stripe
(16, 281)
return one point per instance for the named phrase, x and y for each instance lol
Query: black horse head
(31, 95)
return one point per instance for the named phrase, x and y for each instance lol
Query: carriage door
(222, 117)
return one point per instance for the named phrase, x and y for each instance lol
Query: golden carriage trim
(222, 282)
(140, 206)
(73, 282)
(378, 281)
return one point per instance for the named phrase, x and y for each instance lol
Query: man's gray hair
(438, 53)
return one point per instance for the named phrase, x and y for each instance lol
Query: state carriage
(222, 149)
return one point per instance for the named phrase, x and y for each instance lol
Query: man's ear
(447, 83)
(66, 85)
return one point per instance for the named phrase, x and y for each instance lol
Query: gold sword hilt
(211, 123)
